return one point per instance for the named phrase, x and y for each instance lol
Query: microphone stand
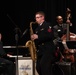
(16, 39)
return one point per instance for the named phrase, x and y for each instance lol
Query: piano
(17, 51)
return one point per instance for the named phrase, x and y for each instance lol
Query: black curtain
(22, 13)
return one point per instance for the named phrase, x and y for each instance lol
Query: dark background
(21, 13)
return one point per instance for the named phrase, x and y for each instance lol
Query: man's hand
(9, 55)
(34, 36)
(68, 21)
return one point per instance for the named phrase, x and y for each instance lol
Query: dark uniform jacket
(45, 39)
(59, 31)
(2, 51)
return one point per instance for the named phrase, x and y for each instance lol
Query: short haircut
(41, 13)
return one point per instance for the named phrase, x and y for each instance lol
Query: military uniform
(46, 48)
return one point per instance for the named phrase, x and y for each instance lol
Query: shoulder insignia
(49, 29)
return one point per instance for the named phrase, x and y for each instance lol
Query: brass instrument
(31, 44)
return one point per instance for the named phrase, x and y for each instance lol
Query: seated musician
(9, 66)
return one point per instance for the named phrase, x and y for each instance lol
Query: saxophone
(31, 44)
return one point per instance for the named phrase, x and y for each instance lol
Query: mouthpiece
(33, 22)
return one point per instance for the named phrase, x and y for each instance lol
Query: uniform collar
(40, 24)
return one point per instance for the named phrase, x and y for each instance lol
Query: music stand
(71, 44)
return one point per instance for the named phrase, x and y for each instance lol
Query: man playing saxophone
(43, 38)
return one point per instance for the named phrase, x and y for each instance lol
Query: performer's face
(39, 18)
(59, 19)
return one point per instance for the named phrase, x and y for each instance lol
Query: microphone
(35, 22)
(24, 32)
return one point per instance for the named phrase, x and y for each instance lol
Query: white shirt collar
(41, 24)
